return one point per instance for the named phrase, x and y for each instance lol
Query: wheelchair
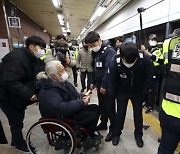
(56, 136)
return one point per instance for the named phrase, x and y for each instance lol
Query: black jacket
(127, 81)
(56, 99)
(3, 92)
(20, 68)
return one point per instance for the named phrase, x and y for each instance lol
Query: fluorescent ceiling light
(84, 29)
(68, 30)
(67, 25)
(61, 19)
(98, 13)
(63, 29)
(56, 3)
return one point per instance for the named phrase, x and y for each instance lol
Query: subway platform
(127, 144)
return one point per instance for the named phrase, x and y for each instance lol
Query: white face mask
(96, 49)
(129, 65)
(63, 77)
(39, 53)
(69, 44)
(152, 43)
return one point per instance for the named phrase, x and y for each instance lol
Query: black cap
(177, 32)
(152, 36)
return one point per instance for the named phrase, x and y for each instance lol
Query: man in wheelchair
(58, 98)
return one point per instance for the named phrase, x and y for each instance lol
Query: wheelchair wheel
(50, 137)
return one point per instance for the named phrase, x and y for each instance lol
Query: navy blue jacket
(57, 99)
(130, 81)
(110, 53)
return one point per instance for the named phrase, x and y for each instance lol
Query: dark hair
(61, 36)
(152, 36)
(120, 39)
(35, 40)
(129, 52)
(92, 37)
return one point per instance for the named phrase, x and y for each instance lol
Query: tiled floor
(127, 143)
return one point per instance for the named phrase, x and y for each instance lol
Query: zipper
(131, 78)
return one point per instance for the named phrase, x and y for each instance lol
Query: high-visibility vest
(158, 52)
(46, 52)
(75, 53)
(171, 101)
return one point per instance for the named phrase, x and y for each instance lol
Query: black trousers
(3, 139)
(74, 70)
(122, 102)
(15, 118)
(170, 133)
(87, 117)
(83, 78)
(107, 109)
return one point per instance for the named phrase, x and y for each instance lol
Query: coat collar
(47, 83)
(30, 55)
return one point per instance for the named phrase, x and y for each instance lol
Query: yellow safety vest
(75, 53)
(46, 52)
(171, 108)
(159, 54)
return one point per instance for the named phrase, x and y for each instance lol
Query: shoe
(22, 148)
(144, 104)
(76, 85)
(159, 139)
(101, 127)
(109, 137)
(115, 140)
(139, 142)
(149, 110)
(99, 136)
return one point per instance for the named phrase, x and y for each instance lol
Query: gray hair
(51, 68)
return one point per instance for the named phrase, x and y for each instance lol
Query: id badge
(98, 64)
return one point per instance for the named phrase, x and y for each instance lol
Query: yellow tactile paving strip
(153, 122)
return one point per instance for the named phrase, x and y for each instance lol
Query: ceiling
(43, 12)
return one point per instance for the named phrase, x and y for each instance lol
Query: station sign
(14, 22)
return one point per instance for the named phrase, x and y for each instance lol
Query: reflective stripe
(173, 97)
(175, 68)
(166, 55)
(157, 59)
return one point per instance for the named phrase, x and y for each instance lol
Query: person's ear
(31, 47)
(54, 77)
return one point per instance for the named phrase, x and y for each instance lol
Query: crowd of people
(146, 76)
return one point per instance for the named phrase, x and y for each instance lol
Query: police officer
(102, 56)
(170, 113)
(155, 51)
(129, 76)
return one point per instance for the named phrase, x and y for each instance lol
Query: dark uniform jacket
(100, 64)
(57, 99)
(19, 71)
(129, 81)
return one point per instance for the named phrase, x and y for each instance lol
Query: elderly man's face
(60, 69)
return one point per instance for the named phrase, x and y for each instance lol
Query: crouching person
(58, 97)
